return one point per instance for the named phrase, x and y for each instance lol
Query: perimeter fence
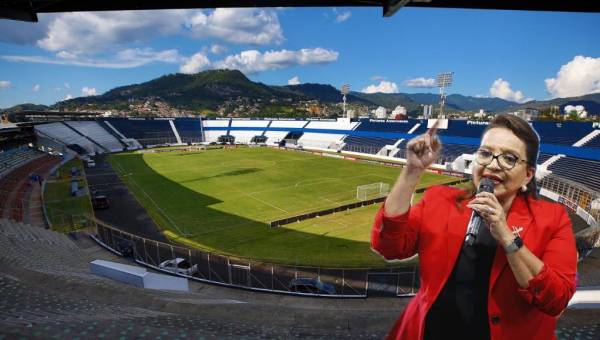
(263, 276)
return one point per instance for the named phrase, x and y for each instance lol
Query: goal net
(371, 191)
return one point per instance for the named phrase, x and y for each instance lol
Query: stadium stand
(60, 132)
(190, 129)
(594, 142)
(37, 265)
(402, 126)
(212, 136)
(14, 158)
(15, 187)
(369, 145)
(543, 157)
(451, 151)
(49, 292)
(274, 137)
(96, 133)
(147, 132)
(373, 145)
(566, 133)
(582, 171)
(245, 136)
(463, 128)
(326, 140)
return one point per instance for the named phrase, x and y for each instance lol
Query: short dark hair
(526, 133)
(530, 138)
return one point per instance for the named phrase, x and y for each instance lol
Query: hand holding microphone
(476, 221)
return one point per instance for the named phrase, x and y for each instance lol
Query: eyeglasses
(506, 161)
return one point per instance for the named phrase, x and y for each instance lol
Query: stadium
(299, 204)
(216, 226)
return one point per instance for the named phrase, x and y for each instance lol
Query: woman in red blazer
(520, 273)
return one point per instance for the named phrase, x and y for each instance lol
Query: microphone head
(486, 185)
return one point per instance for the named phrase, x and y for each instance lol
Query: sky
(514, 55)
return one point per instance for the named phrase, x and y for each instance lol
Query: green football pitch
(221, 200)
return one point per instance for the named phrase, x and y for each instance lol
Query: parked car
(312, 286)
(100, 201)
(179, 266)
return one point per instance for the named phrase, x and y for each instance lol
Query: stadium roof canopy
(27, 10)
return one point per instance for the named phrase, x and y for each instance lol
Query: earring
(524, 188)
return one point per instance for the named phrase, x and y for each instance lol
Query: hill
(591, 102)
(325, 93)
(187, 91)
(26, 107)
(214, 89)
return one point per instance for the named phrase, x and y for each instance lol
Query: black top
(460, 311)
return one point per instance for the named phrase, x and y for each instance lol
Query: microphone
(475, 223)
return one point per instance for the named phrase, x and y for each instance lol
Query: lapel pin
(517, 230)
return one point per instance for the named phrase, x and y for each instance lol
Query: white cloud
(35, 88)
(66, 55)
(420, 82)
(195, 64)
(294, 81)
(578, 77)
(252, 61)
(341, 17)
(128, 58)
(148, 55)
(377, 78)
(4, 84)
(68, 96)
(67, 86)
(238, 25)
(217, 49)
(501, 89)
(95, 31)
(383, 87)
(88, 91)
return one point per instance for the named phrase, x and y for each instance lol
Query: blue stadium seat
(582, 171)
(566, 133)
(146, 131)
(189, 129)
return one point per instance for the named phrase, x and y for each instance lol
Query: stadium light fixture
(345, 90)
(443, 80)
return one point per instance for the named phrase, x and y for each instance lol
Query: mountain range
(209, 89)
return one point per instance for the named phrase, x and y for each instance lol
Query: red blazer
(435, 229)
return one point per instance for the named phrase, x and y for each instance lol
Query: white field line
(266, 203)
(165, 215)
(315, 179)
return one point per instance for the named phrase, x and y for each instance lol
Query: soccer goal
(373, 190)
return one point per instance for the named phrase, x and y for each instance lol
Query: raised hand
(424, 149)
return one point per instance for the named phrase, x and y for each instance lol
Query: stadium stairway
(175, 132)
(544, 166)
(587, 138)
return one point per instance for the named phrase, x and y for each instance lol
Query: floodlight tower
(345, 91)
(443, 80)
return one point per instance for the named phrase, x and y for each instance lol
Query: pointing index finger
(433, 129)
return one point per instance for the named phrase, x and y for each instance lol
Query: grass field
(66, 213)
(221, 200)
